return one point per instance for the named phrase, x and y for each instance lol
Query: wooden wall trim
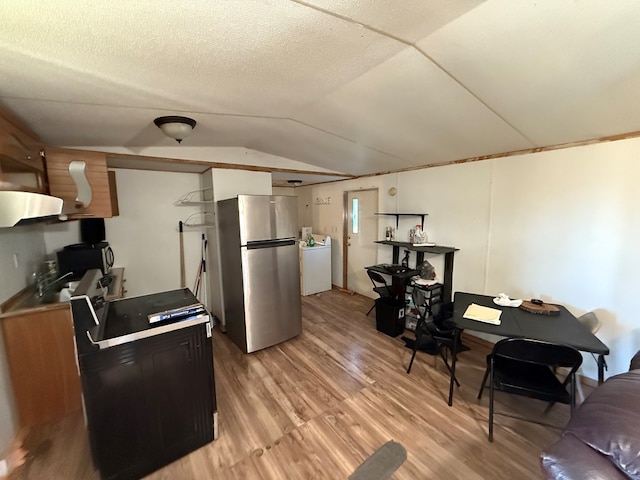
(207, 164)
(513, 153)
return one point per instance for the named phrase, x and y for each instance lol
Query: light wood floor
(319, 405)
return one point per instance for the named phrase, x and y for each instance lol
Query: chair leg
(372, 307)
(413, 356)
(491, 404)
(446, 364)
(484, 382)
(573, 393)
(579, 391)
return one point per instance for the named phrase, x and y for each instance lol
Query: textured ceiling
(357, 87)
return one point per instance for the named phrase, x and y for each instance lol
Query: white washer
(315, 269)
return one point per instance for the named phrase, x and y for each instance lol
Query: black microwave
(80, 257)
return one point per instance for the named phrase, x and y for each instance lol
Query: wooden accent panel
(116, 288)
(21, 165)
(42, 366)
(61, 184)
(113, 193)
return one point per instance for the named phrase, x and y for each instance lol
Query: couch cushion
(609, 421)
(570, 459)
(635, 362)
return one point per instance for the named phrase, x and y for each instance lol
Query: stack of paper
(483, 314)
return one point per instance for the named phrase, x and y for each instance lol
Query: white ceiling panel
(120, 126)
(282, 179)
(557, 71)
(230, 56)
(359, 87)
(410, 108)
(317, 147)
(409, 20)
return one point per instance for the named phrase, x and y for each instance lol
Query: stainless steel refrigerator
(260, 270)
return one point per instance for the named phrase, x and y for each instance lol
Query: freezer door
(271, 277)
(267, 217)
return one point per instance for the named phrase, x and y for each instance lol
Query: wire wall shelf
(198, 219)
(194, 198)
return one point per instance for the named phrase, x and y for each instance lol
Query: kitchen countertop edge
(11, 307)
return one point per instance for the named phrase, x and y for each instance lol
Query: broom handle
(183, 280)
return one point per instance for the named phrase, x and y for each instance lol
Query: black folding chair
(433, 328)
(380, 287)
(520, 366)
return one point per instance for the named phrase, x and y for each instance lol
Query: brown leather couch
(602, 439)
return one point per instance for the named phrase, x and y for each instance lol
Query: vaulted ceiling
(357, 87)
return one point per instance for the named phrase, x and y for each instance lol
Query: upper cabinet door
(81, 179)
(21, 163)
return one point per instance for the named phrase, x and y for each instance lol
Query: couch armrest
(635, 362)
(571, 459)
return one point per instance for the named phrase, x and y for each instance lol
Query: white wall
(321, 207)
(27, 243)
(283, 191)
(558, 225)
(565, 228)
(145, 236)
(225, 184)
(60, 234)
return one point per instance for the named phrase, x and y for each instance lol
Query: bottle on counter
(418, 234)
(310, 241)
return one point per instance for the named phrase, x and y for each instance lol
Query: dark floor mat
(382, 463)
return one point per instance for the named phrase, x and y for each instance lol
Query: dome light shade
(294, 182)
(175, 127)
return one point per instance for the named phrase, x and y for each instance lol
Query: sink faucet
(45, 284)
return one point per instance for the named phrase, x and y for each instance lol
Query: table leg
(600, 369)
(448, 277)
(454, 353)
(398, 285)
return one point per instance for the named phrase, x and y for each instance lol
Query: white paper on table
(483, 314)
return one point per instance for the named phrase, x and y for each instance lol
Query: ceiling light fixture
(294, 183)
(175, 127)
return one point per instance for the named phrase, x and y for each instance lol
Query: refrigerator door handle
(270, 243)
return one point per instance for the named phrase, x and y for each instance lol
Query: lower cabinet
(42, 365)
(149, 402)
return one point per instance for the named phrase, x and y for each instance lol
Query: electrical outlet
(16, 262)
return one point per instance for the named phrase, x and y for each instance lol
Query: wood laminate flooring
(317, 406)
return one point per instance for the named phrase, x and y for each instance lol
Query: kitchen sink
(58, 292)
(61, 293)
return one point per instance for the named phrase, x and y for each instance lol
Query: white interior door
(362, 231)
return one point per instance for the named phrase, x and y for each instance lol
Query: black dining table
(562, 328)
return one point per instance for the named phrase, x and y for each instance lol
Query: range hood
(21, 208)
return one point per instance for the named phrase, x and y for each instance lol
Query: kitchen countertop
(25, 302)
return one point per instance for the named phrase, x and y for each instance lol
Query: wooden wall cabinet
(21, 162)
(104, 202)
(42, 364)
